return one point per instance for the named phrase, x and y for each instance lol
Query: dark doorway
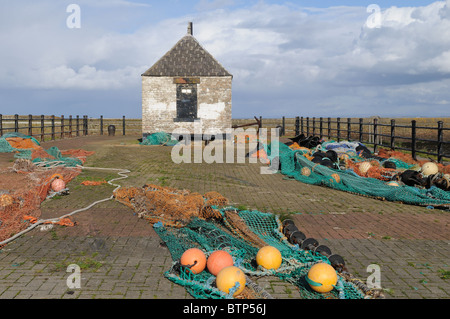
(186, 102)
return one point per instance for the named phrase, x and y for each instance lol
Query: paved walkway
(122, 257)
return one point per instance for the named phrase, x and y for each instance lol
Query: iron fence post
(349, 125)
(375, 134)
(62, 126)
(321, 128)
(30, 125)
(42, 127)
(314, 126)
(329, 128)
(16, 123)
(77, 125)
(361, 129)
(70, 125)
(440, 139)
(53, 127)
(392, 134)
(413, 139)
(338, 129)
(307, 126)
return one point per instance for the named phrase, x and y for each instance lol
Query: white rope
(121, 172)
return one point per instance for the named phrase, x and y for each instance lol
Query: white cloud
(280, 55)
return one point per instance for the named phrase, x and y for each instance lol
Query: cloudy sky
(293, 58)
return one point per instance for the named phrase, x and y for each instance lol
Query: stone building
(186, 87)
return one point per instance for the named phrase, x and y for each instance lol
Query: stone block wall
(159, 105)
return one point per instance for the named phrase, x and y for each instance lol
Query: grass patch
(444, 274)
(242, 207)
(85, 263)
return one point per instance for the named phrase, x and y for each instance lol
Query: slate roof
(187, 58)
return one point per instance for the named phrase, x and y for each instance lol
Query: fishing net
(25, 185)
(159, 138)
(27, 147)
(169, 205)
(297, 164)
(178, 218)
(22, 190)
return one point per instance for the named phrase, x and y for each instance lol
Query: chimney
(190, 29)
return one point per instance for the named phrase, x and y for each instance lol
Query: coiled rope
(121, 172)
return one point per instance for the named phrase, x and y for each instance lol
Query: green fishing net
(26, 153)
(211, 235)
(292, 162)
(159, 138)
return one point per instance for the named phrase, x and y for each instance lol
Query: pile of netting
(359, 172)
(171, 206)
(27, 147)
(241, 233)
(25, 185)
(22, 190)
(159, 138)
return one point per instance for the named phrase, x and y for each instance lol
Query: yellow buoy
(6, 200)
(231, 277)
(322, 277)
(269, 257)
(364, 167)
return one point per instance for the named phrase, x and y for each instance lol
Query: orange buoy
(305, 171)
(269, 257)
(336, 177)
(194, 259)
(58, 185)
(322, 277)
(230, 277)
(218, 260)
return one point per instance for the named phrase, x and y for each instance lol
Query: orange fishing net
(63, 221)
(295, 146)
(22, 195)
(77, 153)
(93, 183)
(375, 170)
(262, 155)
(407, 158)
(170, 206)
(39, 152)
(22, 143)
(246, 138)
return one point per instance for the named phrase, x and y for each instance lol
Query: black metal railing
(51, 127)
(380, 134)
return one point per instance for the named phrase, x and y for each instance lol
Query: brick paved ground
(122, 257)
